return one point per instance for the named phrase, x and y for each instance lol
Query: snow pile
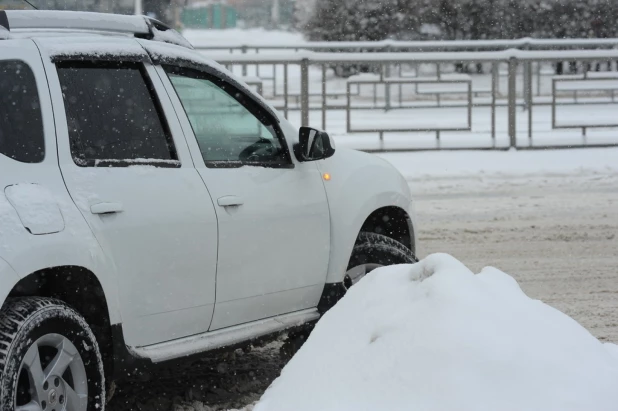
(435, 336)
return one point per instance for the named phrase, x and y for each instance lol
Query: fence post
(244, 65)
(512, 101)
(538, 78)
(527, 85)
(387, 88)
(324, 101)
(285, 89)
(529, 102)
(304, 92)
(494, 92)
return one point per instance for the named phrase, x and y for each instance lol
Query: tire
(30, 328)
(373, 250)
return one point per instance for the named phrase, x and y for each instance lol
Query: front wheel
(372, 251)
(49, 358)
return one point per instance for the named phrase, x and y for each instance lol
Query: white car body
(187, 258)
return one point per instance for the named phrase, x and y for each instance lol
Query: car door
(127, 167)
(274, 229)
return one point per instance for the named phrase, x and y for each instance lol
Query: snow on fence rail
(298, 82)
(395, 45)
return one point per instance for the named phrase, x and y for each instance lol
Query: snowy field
(547, 218)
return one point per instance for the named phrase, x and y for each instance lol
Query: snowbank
(434, 336)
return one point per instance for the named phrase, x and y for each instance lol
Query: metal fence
(521, 70)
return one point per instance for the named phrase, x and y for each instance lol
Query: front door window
(229, 131)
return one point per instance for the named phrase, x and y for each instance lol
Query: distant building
(265, 13)
(209, 14)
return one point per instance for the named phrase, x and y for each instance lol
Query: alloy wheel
(52, 377)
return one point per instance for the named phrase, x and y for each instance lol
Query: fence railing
(297, 82)
(419, 46)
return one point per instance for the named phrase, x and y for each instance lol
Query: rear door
(128, 169)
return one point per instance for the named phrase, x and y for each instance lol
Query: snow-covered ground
(431, 166)
(435, 336)
(548, 218)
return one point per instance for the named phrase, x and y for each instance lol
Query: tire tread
(14, 314)
(368, 241)
(18, 317)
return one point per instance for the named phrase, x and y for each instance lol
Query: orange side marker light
(326, 176)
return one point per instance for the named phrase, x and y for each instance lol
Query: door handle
(106, 208)
(230, 201)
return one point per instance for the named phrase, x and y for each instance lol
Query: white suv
(153, 207)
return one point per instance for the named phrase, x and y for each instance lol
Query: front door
(273, 215)
(129, 171)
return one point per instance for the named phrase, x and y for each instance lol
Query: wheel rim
(52, 381)
(355, 274)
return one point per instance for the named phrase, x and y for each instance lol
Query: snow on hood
(435, 336)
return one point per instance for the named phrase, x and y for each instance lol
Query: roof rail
(56, 20)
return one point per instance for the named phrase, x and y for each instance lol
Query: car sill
(221, 338)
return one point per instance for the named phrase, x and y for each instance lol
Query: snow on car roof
(93, 46)
(26, 23)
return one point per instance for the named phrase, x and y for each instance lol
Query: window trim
(195, 63)
(174, 162)
(247, 101)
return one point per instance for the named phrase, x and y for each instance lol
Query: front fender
(360, 183)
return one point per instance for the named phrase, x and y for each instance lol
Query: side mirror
(313, 145)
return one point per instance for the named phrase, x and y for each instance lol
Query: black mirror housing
(313, 145)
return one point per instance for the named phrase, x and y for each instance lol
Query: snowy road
(555, 231)
(556, 235)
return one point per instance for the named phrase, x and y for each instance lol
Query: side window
(230, 129)
(113, 116)
(21, 123)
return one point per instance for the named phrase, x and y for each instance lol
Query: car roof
(36, 23)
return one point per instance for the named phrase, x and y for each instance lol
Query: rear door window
(113, 115)
(21, 122)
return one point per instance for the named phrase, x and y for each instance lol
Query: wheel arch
(363, 188)
(393, 222)
(369, 216)
(79, 288)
